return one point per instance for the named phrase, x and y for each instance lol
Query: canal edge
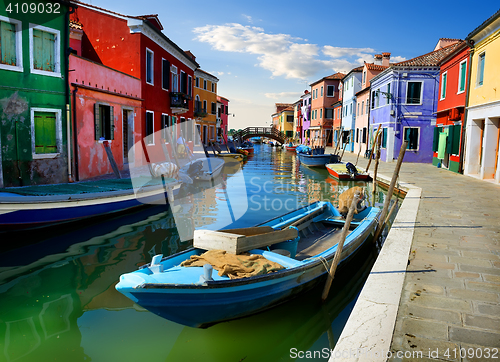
(370, 327)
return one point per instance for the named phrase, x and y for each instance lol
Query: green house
(34, 106)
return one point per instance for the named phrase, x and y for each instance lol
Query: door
(128, 135)
(205, 134)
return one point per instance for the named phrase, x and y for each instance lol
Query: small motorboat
(346, 171)
(315, 157)
(182, 287)
(204, 169)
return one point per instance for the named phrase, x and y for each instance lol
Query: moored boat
(317, 160)
(290, 147)
(346, 171)
(45, 205)
(203, 169)
(193, 296)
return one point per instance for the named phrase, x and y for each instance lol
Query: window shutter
(184, 83)
(462, 76)
(97, 122)
(111, 123)
(455, 149)
(165, 74)
(435, 141)
(39, 145)
(7, 43)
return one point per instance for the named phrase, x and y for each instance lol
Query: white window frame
(321, 93)
(418, 141)
(19, 46)
(174, 78)
(421, 93)
(484, 63)
(58, 114)
(152, 66)
(190, 89)
(152, 135)
(57, 51)
(162, 74)
(443, 84)
(460, 76)
(211, 133)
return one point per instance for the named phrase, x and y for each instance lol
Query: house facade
(337, 121)
(205, 100)
(324, 93)
(449, 131)
(351, 84)
(305, 115)
(403, 101)
(34, 98)
(223, 118)
(482, 156)
(135, 45)
(286, 121)
(297, 121)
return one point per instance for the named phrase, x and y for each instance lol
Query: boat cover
(234, 266)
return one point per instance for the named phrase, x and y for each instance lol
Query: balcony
(179, 102)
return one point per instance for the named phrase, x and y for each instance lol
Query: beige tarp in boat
(234, 266)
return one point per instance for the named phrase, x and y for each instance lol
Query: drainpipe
(68, 118)
(470, 43)
(75, 135)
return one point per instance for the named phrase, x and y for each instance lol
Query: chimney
(386, 57)
(377, 59)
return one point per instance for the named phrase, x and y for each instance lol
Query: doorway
(128, 135)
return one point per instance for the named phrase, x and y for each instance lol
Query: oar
(336, 259)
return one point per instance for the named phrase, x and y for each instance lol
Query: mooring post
(373, 147)
(390, 191)
(336, 258)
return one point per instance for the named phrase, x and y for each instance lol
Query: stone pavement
(450, 304)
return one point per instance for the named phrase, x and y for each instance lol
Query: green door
(45, 132)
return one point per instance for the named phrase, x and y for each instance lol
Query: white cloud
(248, 18)
(397, 59)
(281, 95)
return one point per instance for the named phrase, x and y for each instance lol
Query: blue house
(404, 101)
(351, 85)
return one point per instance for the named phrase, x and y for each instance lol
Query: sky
(267, 52)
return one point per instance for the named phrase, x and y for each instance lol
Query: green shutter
(97, 122)
(384, 137)
(45, 133)
(435, 141)
(449, 141)
(111, 123)
(43, 50)
(443, 86)
(7, 43)
(455, 148)
(462, 76)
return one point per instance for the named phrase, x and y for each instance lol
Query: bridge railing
(260, 132)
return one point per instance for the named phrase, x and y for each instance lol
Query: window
(444, 77)
(204, 84)
(357, 135)
(352, 82)
(149, 66)
(46, 132)
(316, 114)
(364, 77)
(221, 109)
(462, 76)
(480, 69)
(175, 79)
(377, 98)
(150, 140)
(204, 106)
(321, 91)
(411, 135)
(321, 113)
(384, 137)
(212, 133)
(165, 123)
(184, 82)
(350, 109)
(165, 73)
(388, 95)
(289, 118)
(328, 113)
(330, 90)
(190, 86)
(213, 87)
(214, 108)
(364, 134)
(373, 99)
(367, 106)
(45, 46)
(11, 55)
(362, 107)
(358, 109)
(414, 93)
(227, 109)
(104, 122)
(197, 82)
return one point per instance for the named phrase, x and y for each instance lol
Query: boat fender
(156, 266)
(207, 274)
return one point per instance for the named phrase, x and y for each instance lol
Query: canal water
(57, 295)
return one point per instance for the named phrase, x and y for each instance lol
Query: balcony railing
(179, 101)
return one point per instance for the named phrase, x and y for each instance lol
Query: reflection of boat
(274, 333)
(44, 205)
(193, 297)
(290, 148)
(341, 171)
(317, 160)
(203, 168)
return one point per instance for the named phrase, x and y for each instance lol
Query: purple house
(305, 112)
(403, 101)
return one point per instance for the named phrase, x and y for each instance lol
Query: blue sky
(264, 52)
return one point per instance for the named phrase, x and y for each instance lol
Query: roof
(75, 25)
(362, 90)
(223, 98)
(483, 25)
(354, 70)
(372, 66)
(337, 75)
(433, 58)
(282, 104)
(210, 75)
(287, 109)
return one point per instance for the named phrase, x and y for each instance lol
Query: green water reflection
(58, 301)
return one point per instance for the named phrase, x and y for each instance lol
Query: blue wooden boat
(195, 297)
(317, 160)
(45, 205)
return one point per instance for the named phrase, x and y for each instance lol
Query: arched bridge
(268, 132)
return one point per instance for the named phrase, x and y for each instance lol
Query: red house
(135, 45)
(448, 134)
(222, 115)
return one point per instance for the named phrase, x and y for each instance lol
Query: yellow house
(286, 121)
(482, 156)
(205, 104)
